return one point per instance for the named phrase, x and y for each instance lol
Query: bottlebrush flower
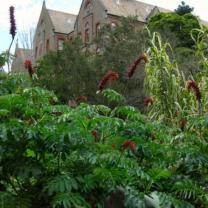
(12, 22)
(134, 66)
(28, 66)
(128, 144)
(148, 101)
(182, 124)
(81, 99)
(95, 134)
(111, 75)
(192, 85)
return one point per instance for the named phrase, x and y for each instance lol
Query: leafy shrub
(52, 155)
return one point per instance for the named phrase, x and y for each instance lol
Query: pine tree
(183, 8)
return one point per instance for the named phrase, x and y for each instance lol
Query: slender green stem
(8, 54)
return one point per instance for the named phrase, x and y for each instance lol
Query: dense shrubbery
(117, 49)
(53, 155)
(175, 96)
(175, 28)
(68, 72)
(76, 71)
(85, 155)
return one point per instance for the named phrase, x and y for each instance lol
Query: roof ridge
(149, 4)
(61, 12)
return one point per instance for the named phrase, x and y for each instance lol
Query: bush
(68, 72)
(77, 70)
(52, 155)
(175, 28)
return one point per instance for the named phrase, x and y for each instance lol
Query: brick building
(21, 54)
(52, 30)
(55, 27)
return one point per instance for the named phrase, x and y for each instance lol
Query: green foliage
(175, 28)
(61, 72)
(162, 80)
(113, 96)
(13, 83)
(120, 47)
(3, 59)
(76, 71)
(52, 155)
(201, 44)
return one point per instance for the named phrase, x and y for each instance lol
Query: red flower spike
(128, 144)
(134, 66)
(28, 66)
(81, 99)
(113, 146)
(95, 134)
(192, 85)
(182, 124)
(148, 101)
(111, 75)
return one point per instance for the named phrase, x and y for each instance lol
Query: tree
(183, 8)
(121, 46)
(68, 72)
(175, 28)
(76, 71)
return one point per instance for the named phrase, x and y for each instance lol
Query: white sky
(27, 12)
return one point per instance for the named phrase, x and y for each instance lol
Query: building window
(44, 36)
(36, 52)
(97, 29)
(113, 25)
(60, 44)
(87, 33)
(98, 50)
(40, 50)
(47, 45)
(87, 3)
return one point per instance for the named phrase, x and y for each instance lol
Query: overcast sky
(27, 12)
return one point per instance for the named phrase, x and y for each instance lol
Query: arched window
(36, 52)
(98, 50)
(87, 3)
(113, 25)
(98, 28)
(60, 44)
(47, 45)
(87, 33)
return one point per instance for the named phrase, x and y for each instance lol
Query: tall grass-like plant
(201, 45)
(165, 83)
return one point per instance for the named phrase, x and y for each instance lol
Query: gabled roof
(62, 22)
(130, 8)
(21, 54)
(25, 53)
